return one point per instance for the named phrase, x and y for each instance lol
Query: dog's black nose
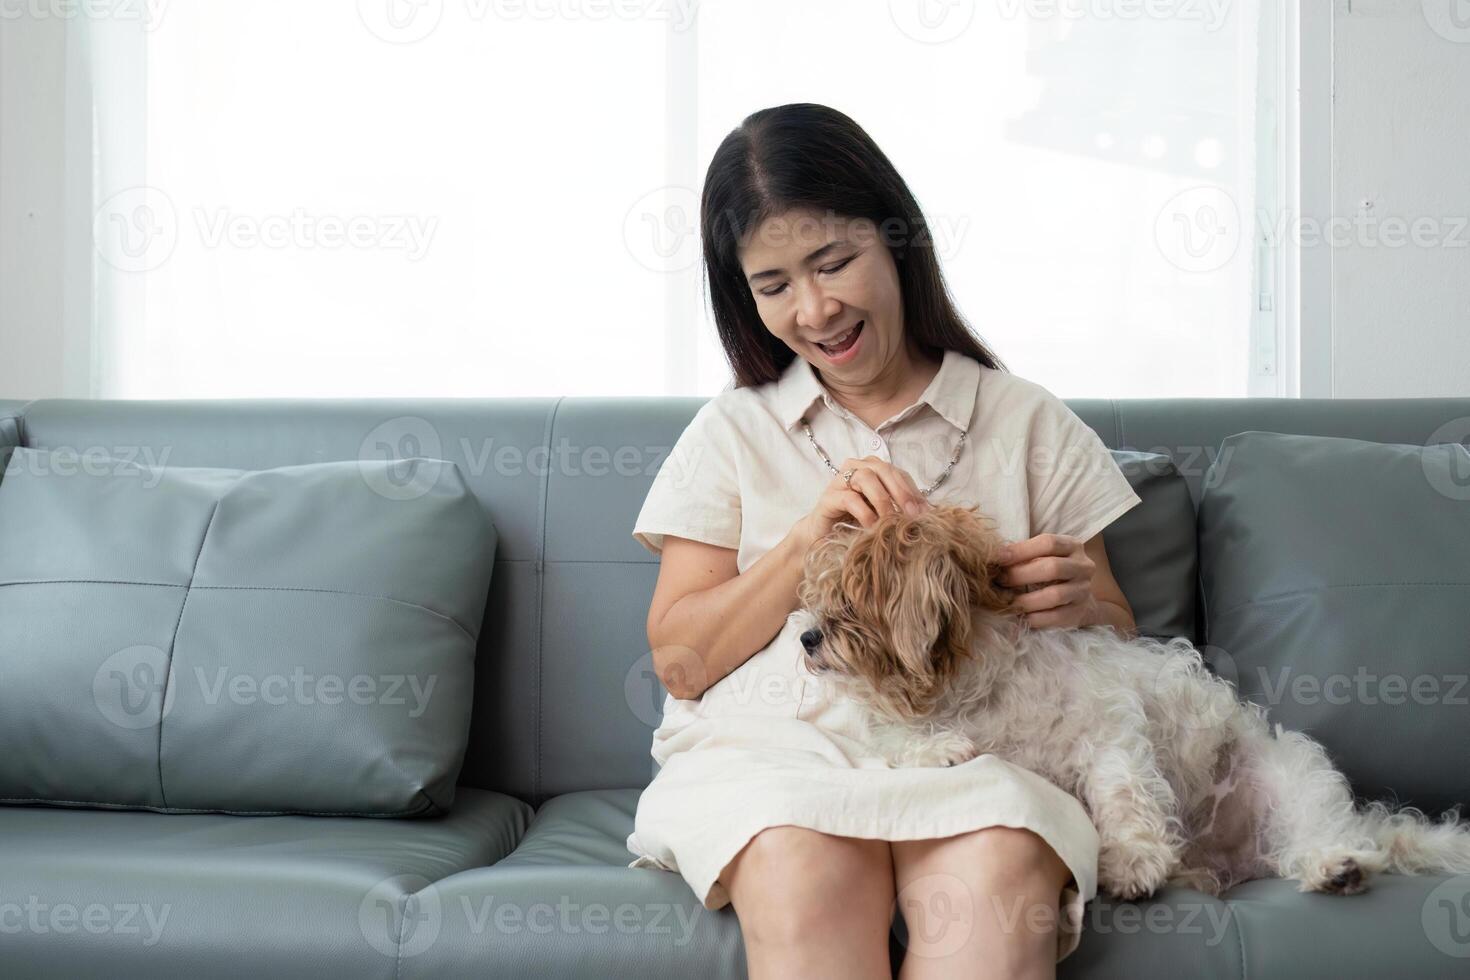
(811, 639)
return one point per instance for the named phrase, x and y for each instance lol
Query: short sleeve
(1076, 486)
(696, 492)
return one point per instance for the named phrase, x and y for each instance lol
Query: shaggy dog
(1185, 784)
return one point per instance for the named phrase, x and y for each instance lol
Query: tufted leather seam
(1277, 597)
(541, 601)
(1239, 938)
(249, 588)
(189, 810)
(172, 645)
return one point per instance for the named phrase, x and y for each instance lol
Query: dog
(1185, 783)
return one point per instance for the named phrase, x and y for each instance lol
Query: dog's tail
(1413, 843)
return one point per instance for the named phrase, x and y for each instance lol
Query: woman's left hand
(1059, 570)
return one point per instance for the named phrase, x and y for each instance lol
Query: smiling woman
(836, 322)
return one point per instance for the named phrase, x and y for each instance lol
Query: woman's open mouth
(842, 348)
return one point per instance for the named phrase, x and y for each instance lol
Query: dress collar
(951, 392)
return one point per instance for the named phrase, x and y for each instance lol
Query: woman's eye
(830, 270)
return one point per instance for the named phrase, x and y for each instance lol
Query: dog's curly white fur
(1185, 783)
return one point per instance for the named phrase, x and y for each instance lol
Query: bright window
(476, 198)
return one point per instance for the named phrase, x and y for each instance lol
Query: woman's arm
(706, 619)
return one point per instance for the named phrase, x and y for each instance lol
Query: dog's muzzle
(811, 642)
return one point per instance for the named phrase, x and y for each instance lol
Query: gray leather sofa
(527, 876)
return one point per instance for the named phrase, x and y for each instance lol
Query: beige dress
(764, 747)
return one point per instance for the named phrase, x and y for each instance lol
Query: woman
(859, 390)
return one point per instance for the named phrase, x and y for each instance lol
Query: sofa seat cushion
(565, 904)
(96, 893)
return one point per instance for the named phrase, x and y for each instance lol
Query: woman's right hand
(878, 487)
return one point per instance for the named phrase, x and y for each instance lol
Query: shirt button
(875, 443)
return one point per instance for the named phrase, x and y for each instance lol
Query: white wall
(1401, 315)
(33, 355)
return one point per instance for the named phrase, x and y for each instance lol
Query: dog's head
(902, 605)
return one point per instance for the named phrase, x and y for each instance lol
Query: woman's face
(828, 287)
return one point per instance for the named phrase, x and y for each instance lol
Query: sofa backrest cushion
(289, 640)
(565, 695)
(1337, 595)
(1151, 548)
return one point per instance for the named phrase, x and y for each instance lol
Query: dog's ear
(975, 546)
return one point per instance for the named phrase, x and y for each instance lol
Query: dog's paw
(1341, 873)
(947, 749)
(1134, 870)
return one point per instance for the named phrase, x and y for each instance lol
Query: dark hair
(805, 155)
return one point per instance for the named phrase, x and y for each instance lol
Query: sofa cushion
(1151, 548)
(1337, 595)
(565, 904)
(289, 640)
(85, 893)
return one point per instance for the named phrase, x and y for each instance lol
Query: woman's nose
(811, 639)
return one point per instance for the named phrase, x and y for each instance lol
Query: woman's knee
(1014, 857)
(1009, 877)
(791, 882)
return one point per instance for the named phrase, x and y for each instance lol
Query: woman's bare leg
(980, 905)
(813, 905)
